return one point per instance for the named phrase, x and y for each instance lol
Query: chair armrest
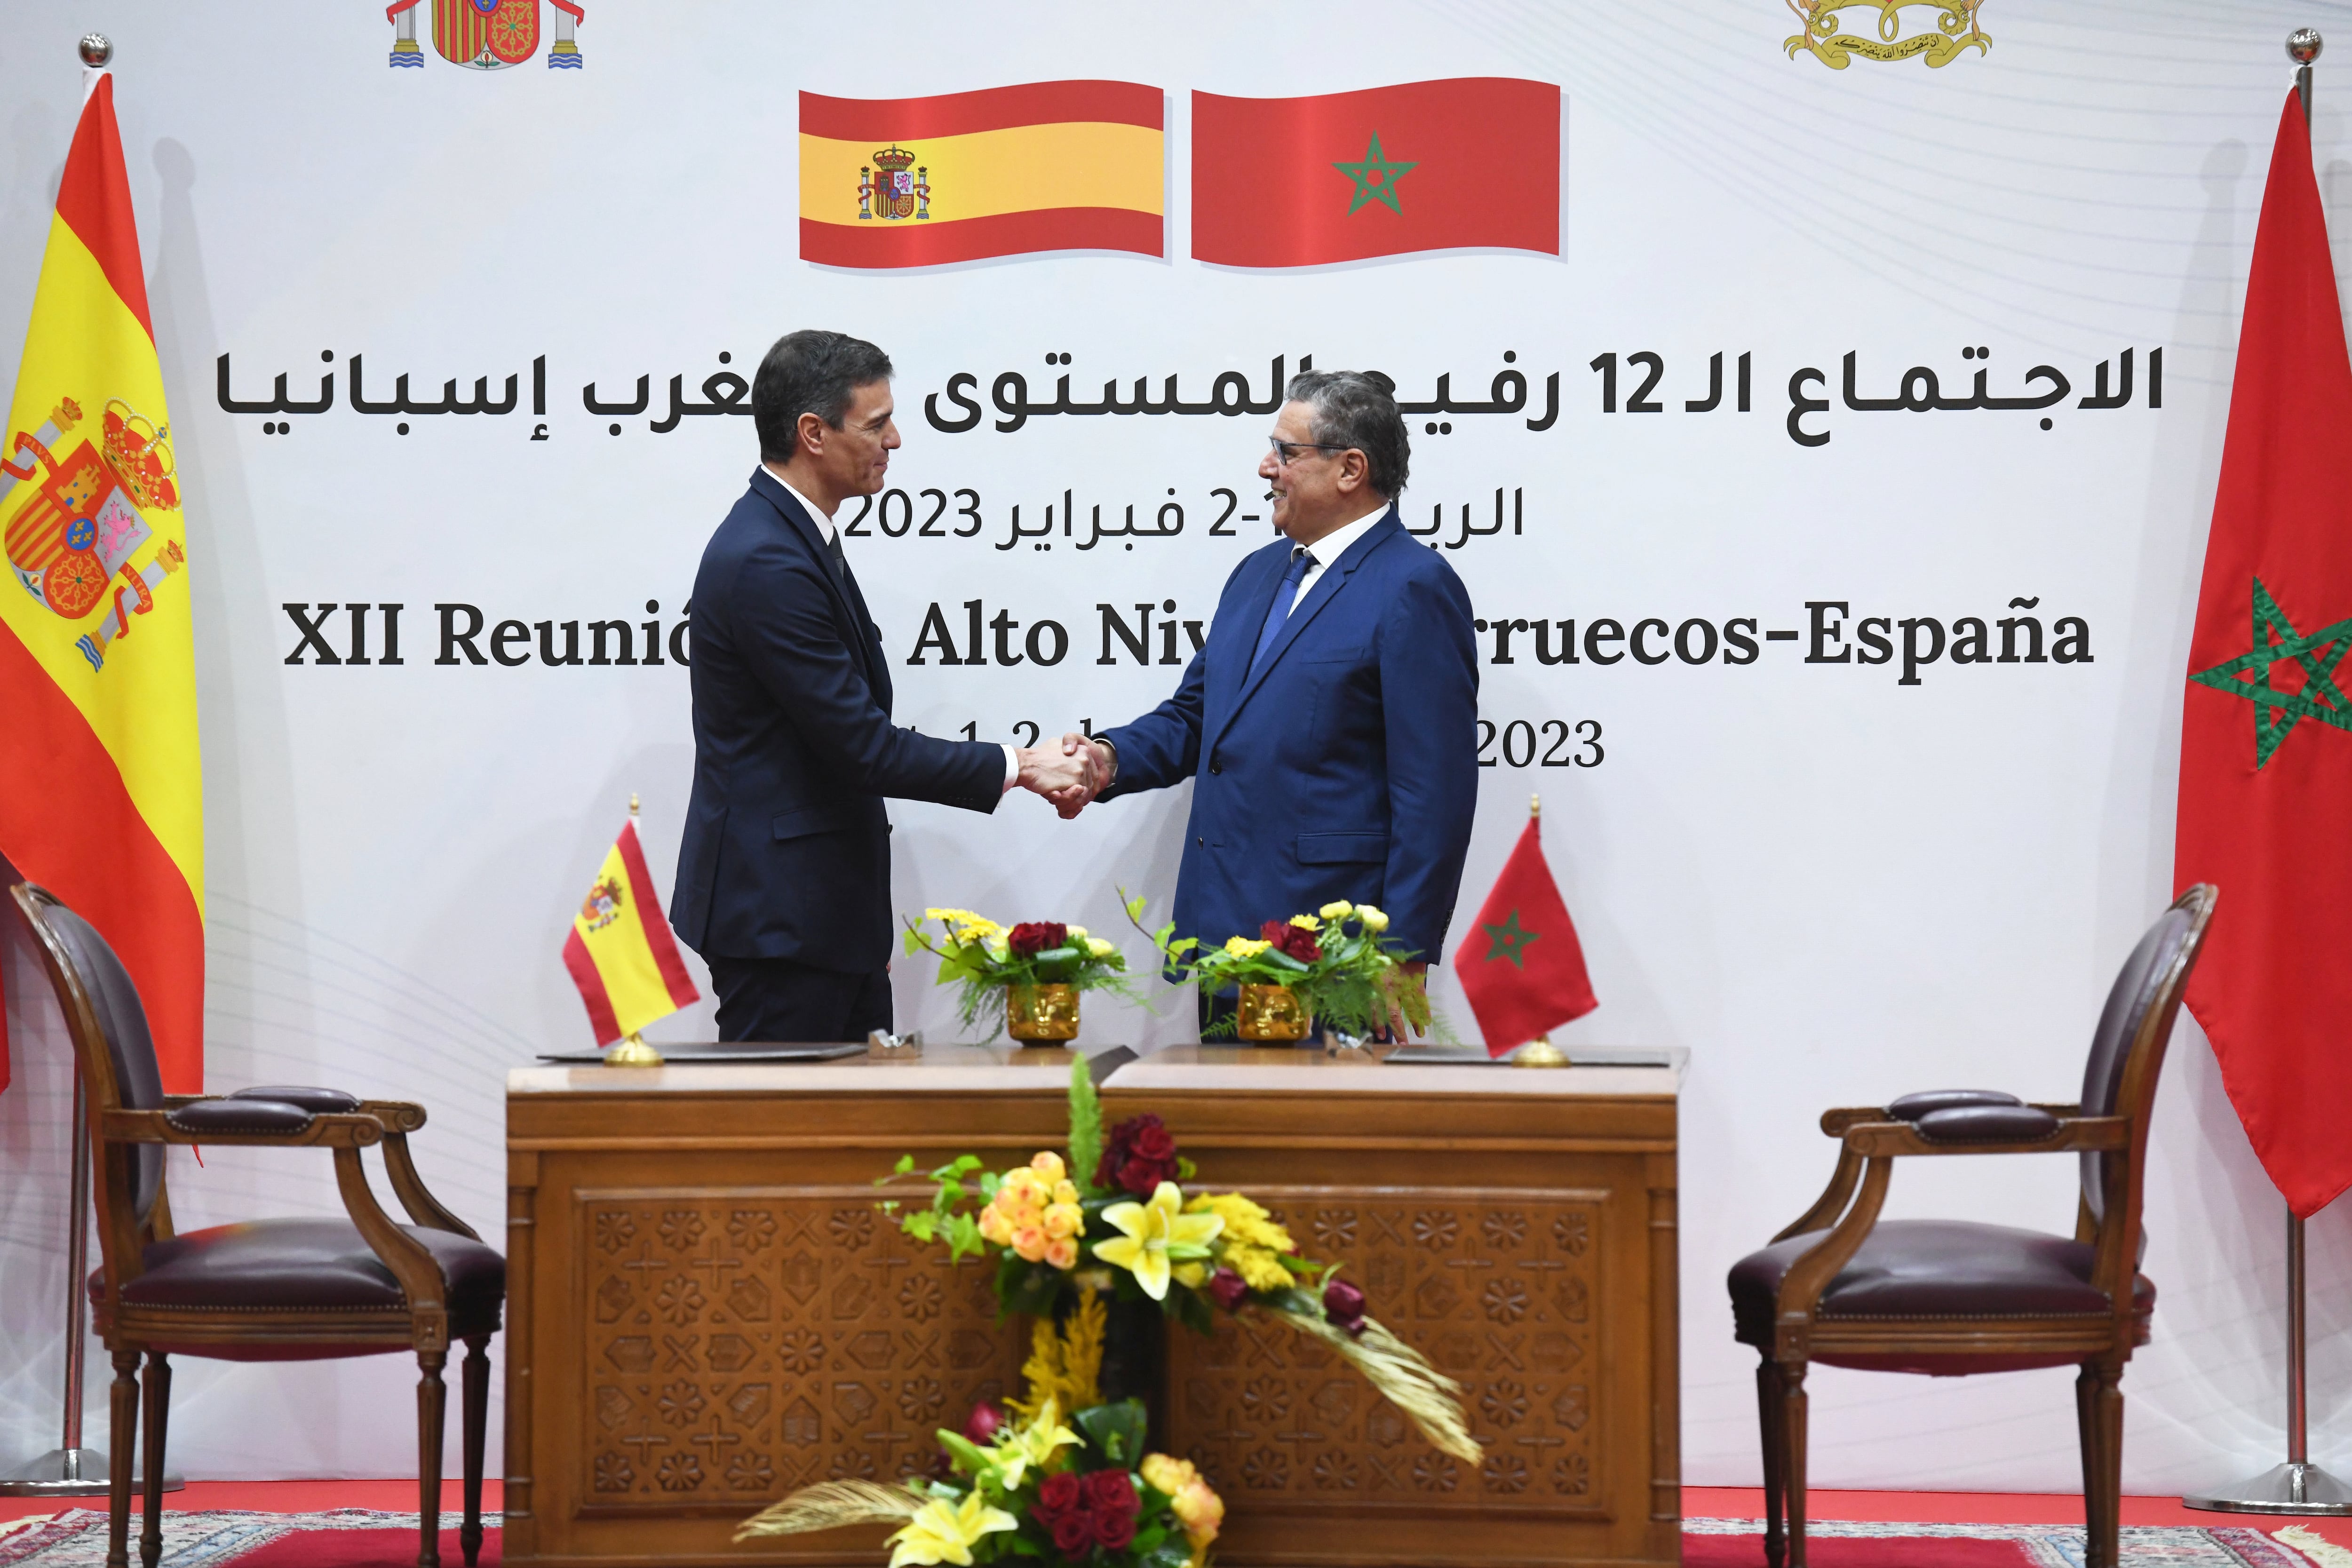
(400, 1118)
(1836, 1123)
(197, 1123)
(397, 1115)
(2079, 1134)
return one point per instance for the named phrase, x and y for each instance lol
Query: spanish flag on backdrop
(915, 181)
(101, 795)
(620, 953)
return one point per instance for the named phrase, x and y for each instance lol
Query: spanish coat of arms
(484, 35)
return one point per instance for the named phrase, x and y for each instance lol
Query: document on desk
(1474, 1056)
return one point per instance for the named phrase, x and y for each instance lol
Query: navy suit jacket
(1348, 769)
(786, 852)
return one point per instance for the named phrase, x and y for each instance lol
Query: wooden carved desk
(705, 1310)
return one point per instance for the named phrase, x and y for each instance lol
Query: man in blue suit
(1329, 723)
(783, 873)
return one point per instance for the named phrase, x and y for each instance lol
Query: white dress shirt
(1329, 548)
(825, 527)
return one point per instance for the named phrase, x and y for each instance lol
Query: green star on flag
(2278, 712)
(1506, 939)
(1375, 178)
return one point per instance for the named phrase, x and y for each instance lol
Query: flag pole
(2298, 1486)
(633, 1051)
(1538, 1052)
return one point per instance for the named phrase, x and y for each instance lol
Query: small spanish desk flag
(101, 790)
(1522, 967)
(620, 953)
(915, 181)
(1471, 162)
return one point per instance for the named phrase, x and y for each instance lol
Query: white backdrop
(1833, 887)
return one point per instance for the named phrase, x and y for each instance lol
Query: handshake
(1069, 774)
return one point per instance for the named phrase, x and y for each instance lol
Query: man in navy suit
(1329, 723)
(783, 873)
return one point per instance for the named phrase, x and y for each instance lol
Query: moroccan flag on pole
(915, 181)
(2266, 728)
(101, 795)
(620, 953)
(1430, 165)
(1521, 965)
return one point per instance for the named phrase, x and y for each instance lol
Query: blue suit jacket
(1348, 769)
(786, 852)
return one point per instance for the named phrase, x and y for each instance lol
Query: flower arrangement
(1340, 960)
(990, 962)
(1137, 1235)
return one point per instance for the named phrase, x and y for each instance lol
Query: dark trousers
(781, 1001)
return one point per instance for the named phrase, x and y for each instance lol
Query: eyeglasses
(1283, 449)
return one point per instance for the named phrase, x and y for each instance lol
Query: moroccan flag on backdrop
(101, 795)
(915, 181)
(1430, 165)
(1521, 965)
(620, 953)
(2266, 728)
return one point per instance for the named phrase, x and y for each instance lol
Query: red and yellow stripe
(622, 956)
(1053, 165)
(100, 782)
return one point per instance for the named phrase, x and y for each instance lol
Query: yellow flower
(1168, 1474)
(1064, 1219)
(995, 1227)
(1306, 922)
(1099, 948)
(1152, 1231)
(1373, 920)
(1201, 1511)
(1062, 1254)
(1192, 1276)
(1245, 1222)
(1245, 946)
(1033, 1443)
(1075, 933)
(1001, 951)
(1259, 1269)
(1065, 1192)
(943, 1532)
(1048, 1166)
(1337, 910)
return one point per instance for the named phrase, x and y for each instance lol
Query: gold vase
(1271, 1013)
(1041, 1012)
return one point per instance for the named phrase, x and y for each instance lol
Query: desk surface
(969, 1069)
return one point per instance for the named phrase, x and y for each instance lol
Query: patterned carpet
(368, 1537)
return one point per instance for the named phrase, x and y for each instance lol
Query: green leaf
(1185, 1169)
(968, 1455)
(906, 1165)
(1086, 1125)
(964, 1239)
(1115, 1431)
(1191, 1309)
(923, 1225)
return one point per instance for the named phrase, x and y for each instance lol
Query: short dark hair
(1354, 408)
(809, 372)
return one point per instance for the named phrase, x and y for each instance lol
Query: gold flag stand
(632, 1052)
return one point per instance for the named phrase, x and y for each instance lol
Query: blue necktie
(1278, 613)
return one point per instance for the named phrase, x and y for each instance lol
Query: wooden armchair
(1949, 1297)
(272, 1290)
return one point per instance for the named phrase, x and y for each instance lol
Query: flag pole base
(2285, 1489)
(68, 1472)
(1539, 1052)
(632, 1052)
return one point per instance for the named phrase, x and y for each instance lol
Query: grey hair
(809, 372)
(1353, 408)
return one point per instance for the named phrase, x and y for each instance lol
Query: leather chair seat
(306, 1264)
(1924, 1269)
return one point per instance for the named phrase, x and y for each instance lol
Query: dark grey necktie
(840, 561)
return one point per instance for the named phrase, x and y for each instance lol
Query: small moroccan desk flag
(1521, 965)
(620, 953)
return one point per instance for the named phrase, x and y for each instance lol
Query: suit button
(1215, 768)
(1201, 842)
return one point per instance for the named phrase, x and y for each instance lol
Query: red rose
(1031, 937)
(1137, 1157)
(982, 1423)
(1114, 1530)
(1343, 1306)
(1073, 1532)
(1061, 1493)
(1111, 1492)
(1297, 941)
(1228, 1288)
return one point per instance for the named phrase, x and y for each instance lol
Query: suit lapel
(844, 588)
(1328, 584)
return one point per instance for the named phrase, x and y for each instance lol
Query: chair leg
(1768, 1411)
(157, 1399)
(1792, 1455)
(431, 1401)
(478, 1420)
(2099, 1398)
(122, 1435)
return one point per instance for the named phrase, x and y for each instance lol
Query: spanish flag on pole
(620, 953)
(101, 795)
(916, 182)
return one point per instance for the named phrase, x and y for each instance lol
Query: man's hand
(1418, 969)
(1059, 774)
(1102, 764)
